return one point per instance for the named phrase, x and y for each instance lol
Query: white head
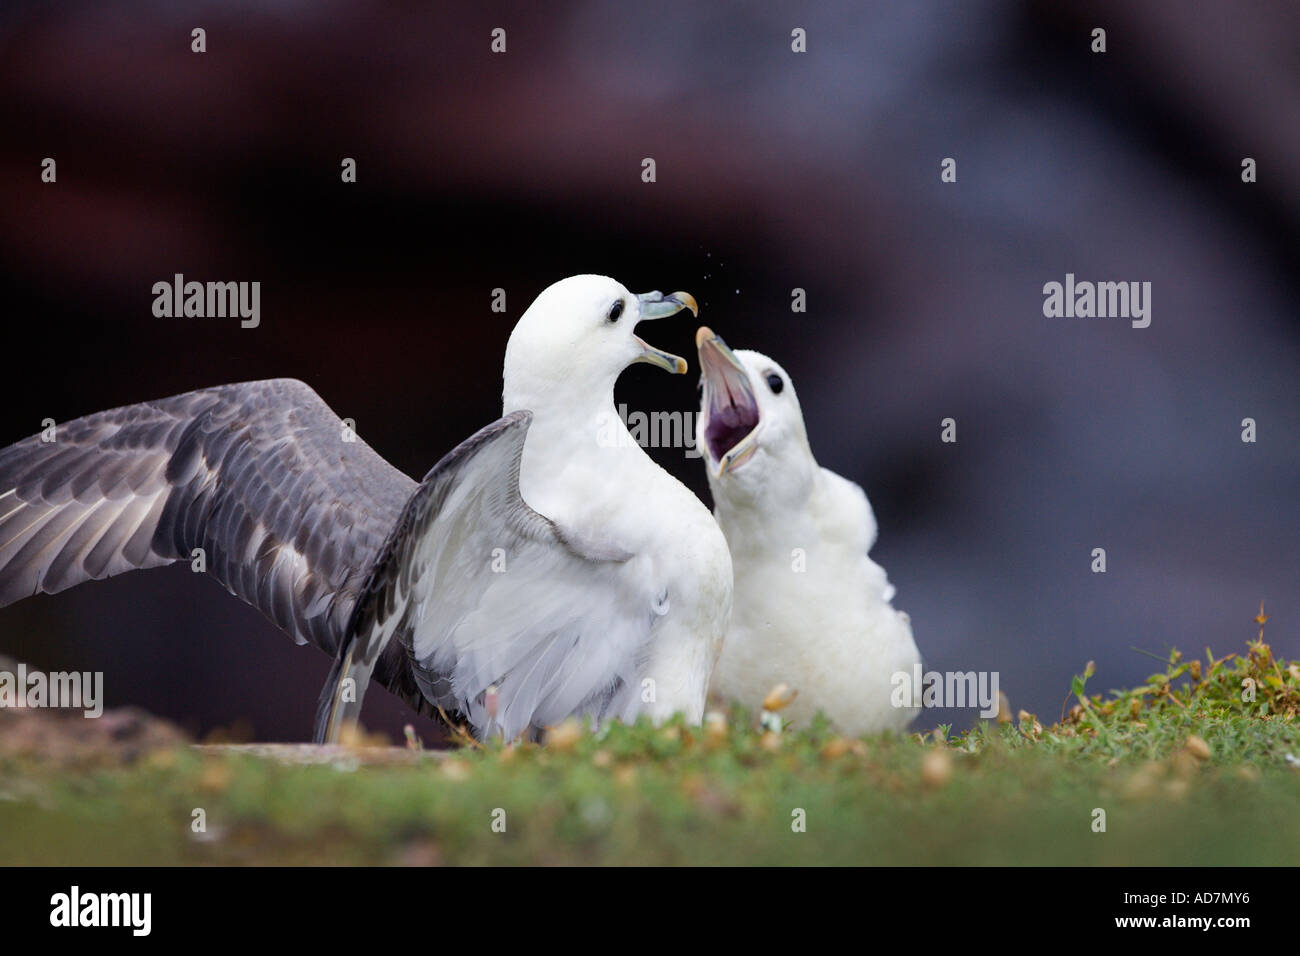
(750, 428)
(576, 338)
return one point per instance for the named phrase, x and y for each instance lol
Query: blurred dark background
(775, 170)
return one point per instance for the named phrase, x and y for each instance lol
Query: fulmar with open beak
(812, 610)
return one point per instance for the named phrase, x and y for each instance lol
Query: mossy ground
(1186, 771)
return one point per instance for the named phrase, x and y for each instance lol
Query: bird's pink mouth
(731, 415)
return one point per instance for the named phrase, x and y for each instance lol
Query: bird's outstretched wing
(508, 620)
(289, 506)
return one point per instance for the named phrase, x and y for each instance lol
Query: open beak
(730, 409)
(656, 305)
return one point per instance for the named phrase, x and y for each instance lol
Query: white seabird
(811, 610)
(608, 600)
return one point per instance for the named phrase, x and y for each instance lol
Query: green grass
(1186, 771)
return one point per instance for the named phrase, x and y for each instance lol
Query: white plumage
(584, 472)
(548, 568)
(811, 609)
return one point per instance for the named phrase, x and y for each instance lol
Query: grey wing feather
(290, 516)
(482, 591)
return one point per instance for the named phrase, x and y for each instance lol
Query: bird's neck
(767, 516)
(579, 451)
(575, 422)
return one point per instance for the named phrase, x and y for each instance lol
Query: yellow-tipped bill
(656, 305)
(659, 358)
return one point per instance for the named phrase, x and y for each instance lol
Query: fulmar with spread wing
(539, 571)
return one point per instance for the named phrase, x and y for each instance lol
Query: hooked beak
(656, 305)
(730, 410)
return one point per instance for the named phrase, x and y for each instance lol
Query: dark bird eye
(775, 383)
(615, 310)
